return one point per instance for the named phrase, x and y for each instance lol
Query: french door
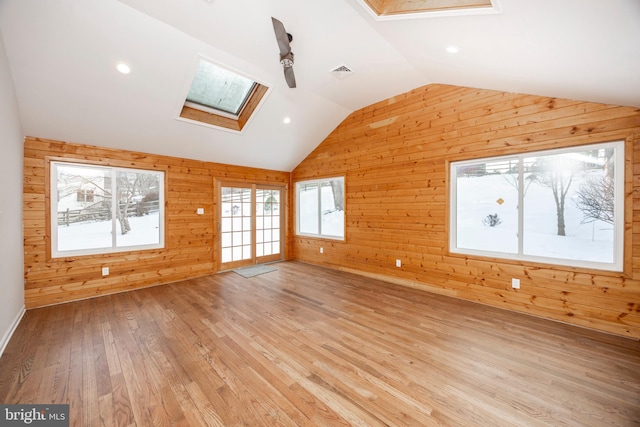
(251, 224)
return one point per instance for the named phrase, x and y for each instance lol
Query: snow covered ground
(96, 235)
(478, 197)
(332, 220)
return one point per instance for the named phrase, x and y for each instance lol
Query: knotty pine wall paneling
(394, 155)
(189, 238)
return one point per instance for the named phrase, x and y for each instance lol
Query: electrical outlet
(515, 283)
(321, 250)
(105, 271)
(200, 211)
(398, 263)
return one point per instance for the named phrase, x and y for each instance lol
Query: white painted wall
(11, 242)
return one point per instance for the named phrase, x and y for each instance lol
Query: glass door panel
(236, 248)
(268, 224)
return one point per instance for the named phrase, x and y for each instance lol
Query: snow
(97, 235)
(477, 197)
(331, 219)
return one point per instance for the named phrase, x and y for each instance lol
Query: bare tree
(596, 195)
(514, 181)
(126, 190)
(596, 199)
(337, 187)
(560, 186)
(557, 175)
(132, 187)
(71, 183)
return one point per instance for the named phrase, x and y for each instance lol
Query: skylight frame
(453, 10)
(196, 113)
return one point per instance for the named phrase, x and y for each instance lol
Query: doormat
(254, 270)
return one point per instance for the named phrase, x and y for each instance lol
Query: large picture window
(97, 209)
(564, 206)
(320, 208)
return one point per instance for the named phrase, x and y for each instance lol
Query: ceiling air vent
(341, 72)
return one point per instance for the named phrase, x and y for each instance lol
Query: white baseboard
(7, 336)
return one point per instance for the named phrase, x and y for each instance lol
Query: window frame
(320, 235)
(53, 193)
(619, 241)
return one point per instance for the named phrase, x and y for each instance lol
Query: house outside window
(563, 207)
(99, 209)
(320, 208)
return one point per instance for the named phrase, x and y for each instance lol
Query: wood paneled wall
(189, 238)
(394, 156)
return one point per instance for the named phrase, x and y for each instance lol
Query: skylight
(221, 97)
(220, 89)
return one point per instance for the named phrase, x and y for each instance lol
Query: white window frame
(320, 234)
(618, 245)
(53, 222)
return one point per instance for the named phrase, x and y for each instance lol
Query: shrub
(492, 220)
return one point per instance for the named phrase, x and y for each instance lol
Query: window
(84, 195)
(220, 97)
(563, 206)
(320, 208)
(97, 209)
(219, 89)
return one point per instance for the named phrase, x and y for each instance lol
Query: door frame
(219, 184)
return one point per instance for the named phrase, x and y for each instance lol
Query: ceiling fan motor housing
(287, 60)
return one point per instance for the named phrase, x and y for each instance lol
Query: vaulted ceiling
(63, 56)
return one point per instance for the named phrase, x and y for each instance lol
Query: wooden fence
(102, 212)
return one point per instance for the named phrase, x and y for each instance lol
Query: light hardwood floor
(305, 346)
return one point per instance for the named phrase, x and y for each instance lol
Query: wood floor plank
(307, 346)
(105, 405)
(122, 412)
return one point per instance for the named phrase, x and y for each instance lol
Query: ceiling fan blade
(281, 36)
(289, 77)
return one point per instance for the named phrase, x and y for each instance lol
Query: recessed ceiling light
(453, 49)
(286, 120)
(123, 68)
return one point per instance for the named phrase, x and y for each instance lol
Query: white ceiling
(63, 55)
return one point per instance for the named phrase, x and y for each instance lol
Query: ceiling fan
(286, 56)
